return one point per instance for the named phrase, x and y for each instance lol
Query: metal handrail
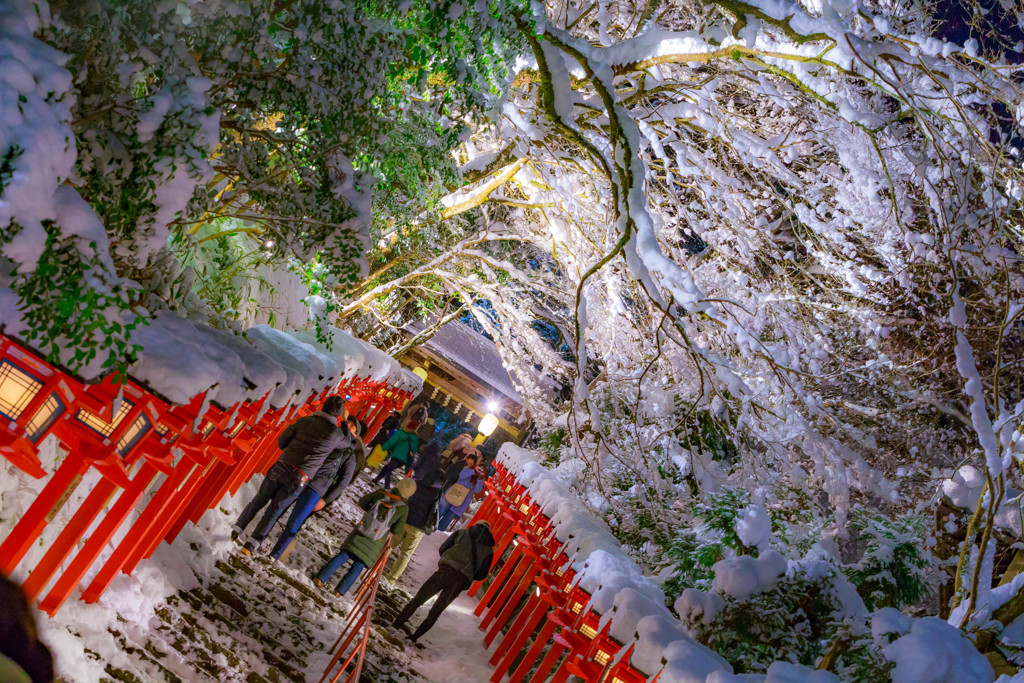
(358, 620)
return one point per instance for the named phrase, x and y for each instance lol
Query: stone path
(258, 621)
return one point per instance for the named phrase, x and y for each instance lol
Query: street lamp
(486, 427)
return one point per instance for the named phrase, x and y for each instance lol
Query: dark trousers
(279, 489)
(385, 472)
(301, 511)
(446, 583)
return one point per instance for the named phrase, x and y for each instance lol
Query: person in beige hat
(386, 512)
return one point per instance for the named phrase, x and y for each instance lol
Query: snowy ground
(200, 611)
(454, 647)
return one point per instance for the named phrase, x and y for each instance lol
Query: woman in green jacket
(385, 514)
(400, 449)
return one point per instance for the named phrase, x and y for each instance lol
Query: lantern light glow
(487, 425)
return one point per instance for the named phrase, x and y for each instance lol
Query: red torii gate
(129, 436)
(564, 636)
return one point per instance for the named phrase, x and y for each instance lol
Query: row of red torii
(533, 608)
(190, 454)
(194, 454)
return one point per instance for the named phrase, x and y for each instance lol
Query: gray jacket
(307, 442)
(335, 474)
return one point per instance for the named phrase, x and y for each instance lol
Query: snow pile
(754, 526)
(662, 645)
(36, 142)
(181, 359)
(743, 576)
(964, 489)
(932, 651)
(696, 605)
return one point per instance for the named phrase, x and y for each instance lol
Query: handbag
(456, 495)
(376, 457)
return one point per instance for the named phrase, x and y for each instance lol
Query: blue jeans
(327, 571)
(304, 505)
(278, 490)
(445, 515)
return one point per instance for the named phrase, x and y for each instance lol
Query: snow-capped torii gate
(135, 440)
(609, 634)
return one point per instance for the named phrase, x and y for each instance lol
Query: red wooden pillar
(69, 536)
(32, 523)
(127, 554)
(522, 580)
(376, 421)
(216, 449)
(548, 596)
(69, 580)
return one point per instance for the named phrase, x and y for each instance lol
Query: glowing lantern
(17, 388)
(487, 425)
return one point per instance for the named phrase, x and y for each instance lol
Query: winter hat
(483, 522)
(406, 487)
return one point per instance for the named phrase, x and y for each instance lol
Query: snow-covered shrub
(766, 616)
(75, 309)
(894, 569)
(692, 552)
(550, 443)
(721, 513)
(859, 657)
(692, 556)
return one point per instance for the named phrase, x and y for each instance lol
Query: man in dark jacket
(428, 462)
(327, 484)
(422, 508)
(305, 446)
(465, 557)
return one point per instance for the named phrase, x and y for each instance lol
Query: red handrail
(358, 620)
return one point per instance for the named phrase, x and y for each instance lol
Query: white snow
(743, 576)
(935, 652)
(754, 526)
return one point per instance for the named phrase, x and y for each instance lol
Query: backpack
(376, 522)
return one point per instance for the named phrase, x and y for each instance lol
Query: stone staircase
(259, 621)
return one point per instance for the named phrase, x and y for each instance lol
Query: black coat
(427, 462)
(470, 552)
(423, 503)
(307, 442)
(335, 474)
